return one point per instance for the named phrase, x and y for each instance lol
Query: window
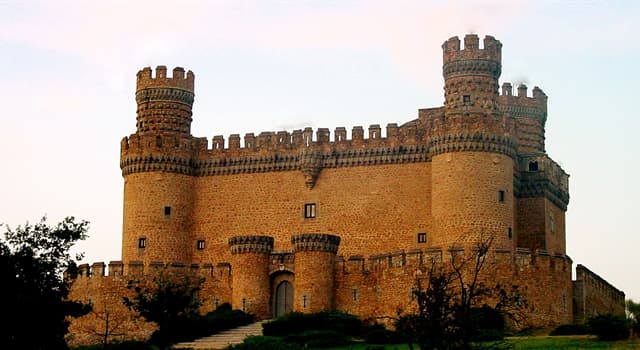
(422, 237)
(354, 293)
(466, 99)
(244, 304)
(309, 210)
(304, 301)
(501, 196)
(200, 244)
(142, 242)
(552, 222)
(533, 166)
(167, 211)
(510, 233)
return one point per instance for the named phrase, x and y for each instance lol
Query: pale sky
(68, 82)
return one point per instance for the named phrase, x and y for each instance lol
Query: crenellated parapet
(164, 103)
(137, 269)
(530, 113)
(471, 59)
(541, 176)
(251, 244)
(517, 260)
(315, 242)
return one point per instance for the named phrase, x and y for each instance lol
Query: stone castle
(303, 221)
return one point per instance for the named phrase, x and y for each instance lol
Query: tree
(633, 312)
(448, 299)
(32, 261)
(167, 299)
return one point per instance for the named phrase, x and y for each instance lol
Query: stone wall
(593, 295)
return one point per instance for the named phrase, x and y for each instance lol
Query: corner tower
(156, 163)
(472, 150)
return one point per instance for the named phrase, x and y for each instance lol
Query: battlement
(520, 259)
(136, 269)
(251, 244)
(145, 79)
(472, 58)
(540, 176)
(315, 242)
(521, 105)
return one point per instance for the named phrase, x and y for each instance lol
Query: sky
(68, 81)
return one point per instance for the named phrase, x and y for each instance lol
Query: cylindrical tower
(472, 151)
(250, 274)
(314, 264)
(156, 166)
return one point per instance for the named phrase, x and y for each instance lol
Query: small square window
(200, 244)
(466, 99)
(167, 211)
(422, 237)
(142, 242)
(309, 210)
(501, 196)
(533, 166)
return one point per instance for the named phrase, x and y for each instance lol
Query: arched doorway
(283, 298)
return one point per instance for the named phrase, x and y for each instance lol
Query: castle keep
(306, 220)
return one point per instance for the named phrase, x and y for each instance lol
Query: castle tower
(472, 151)
(250, 282)
(471, 75)
(164, 104)
(156, 166)
(315, 255)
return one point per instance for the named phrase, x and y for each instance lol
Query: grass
(536, 343)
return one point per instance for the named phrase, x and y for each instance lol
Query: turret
(315, 255)
(471, 75)
(164, 103)
(250, 282)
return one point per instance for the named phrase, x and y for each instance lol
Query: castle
(297, 221)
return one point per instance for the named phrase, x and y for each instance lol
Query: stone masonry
(305, 221)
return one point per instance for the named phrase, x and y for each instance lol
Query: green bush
(195, 326)
(378, 334)
(126, 345)
(488, 324)
(318, 339)
(264, 343)
(571, 329)
(296, 322)
(609, 327)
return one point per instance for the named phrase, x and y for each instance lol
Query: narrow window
(167, 211)
(304, 301)
(309, 210)
(510, 233)
(216, 302)
(552, 223)
(142, 242)
(354, 293)
(422, 237)
(501, 196)
(244, 304)
(200, 244)
(533, 166)
(466, 99)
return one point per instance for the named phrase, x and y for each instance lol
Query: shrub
(380, 335)
(488, 324)
(195, 326)
(609, 327)
(296, 322)
(319, 339)
(571, 329)
(264, 343)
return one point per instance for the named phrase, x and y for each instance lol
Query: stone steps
(223, 339)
